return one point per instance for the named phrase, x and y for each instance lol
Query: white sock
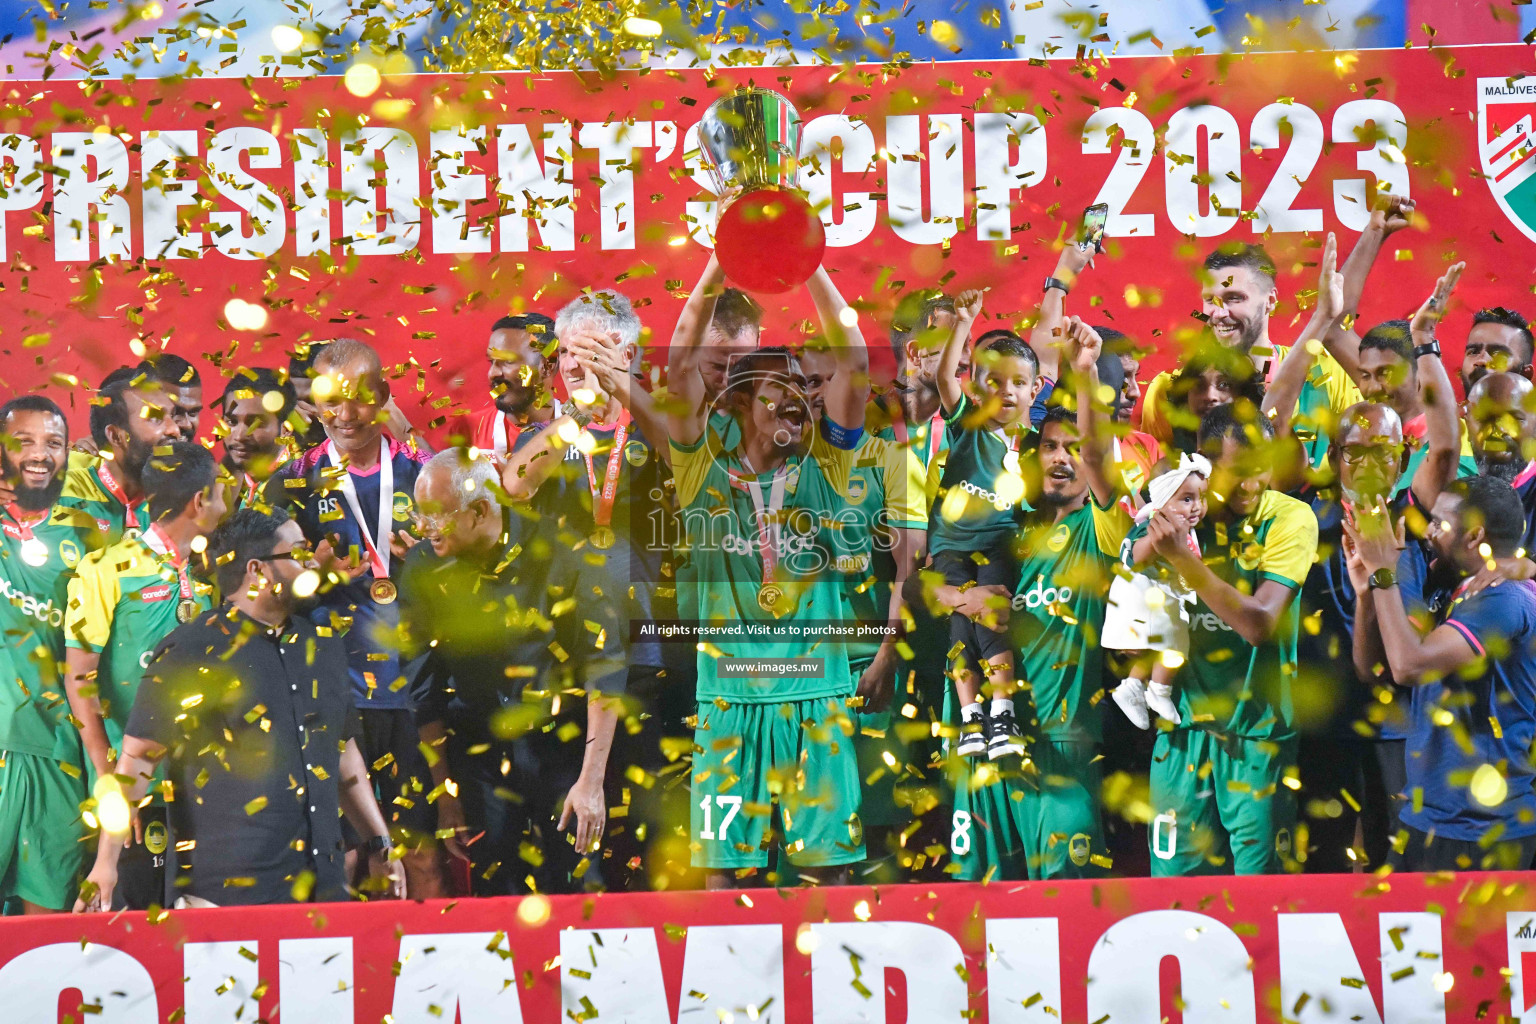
(1001, 704)
(973, 712)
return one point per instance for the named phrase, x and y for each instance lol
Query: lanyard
(935, 435)
(378, 554)
(767, 514)
(602, 499)
(20, 526)
(505, 431)
(155, 539)
(130, 518)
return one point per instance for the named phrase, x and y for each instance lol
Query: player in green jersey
(42, 777)
(880, 537)
(1042, 818)
(123, 601)
(254, 423)
(1222, 778)
(908, 412)
(130, 417)
(758, 523)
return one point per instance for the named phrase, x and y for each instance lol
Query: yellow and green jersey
(885, 493)
(95, 488)
(720, 577)
(1058, 614)
(1229, 685)
(36, 563)
(122, 603)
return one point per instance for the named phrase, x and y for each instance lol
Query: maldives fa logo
(1506, 141)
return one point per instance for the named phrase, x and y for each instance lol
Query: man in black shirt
(525, 674)
(252, 704)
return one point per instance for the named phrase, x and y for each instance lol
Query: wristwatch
(377, 846)
(1056, 282)
(1381, 579)
(1431, 348)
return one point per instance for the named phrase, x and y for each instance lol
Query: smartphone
(1094, 219)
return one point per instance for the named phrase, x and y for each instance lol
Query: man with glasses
(251, 706)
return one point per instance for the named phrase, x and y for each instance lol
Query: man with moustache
(1499, 342)
(182, 388)
(1237, 298)
(254, 414)
(1042, 818)
(250, 705)
(124, 600)
(42, 772)
(130, 416)
(717, 326)
(351, 496)
(525, 737)
(908, 412)
(772, 492)
(1501, 414)
(519, 352)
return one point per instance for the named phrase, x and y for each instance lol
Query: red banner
(1407, 948)
(235, 218)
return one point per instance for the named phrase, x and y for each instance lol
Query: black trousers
(1426, 853)
(1333, 770)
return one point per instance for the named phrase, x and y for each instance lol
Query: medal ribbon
(767, 516)
(378, 557)
(935, 435)
(155, 539)
(602, 498)
(21, 524)
(505, 431)
(130, 518)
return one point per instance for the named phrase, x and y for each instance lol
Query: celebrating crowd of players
(771, 622)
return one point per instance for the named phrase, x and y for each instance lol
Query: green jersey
(122, 603)
(1058, 612)
(975, 509)
(92, 486)
(36, 563)
(1228, 684)
(885, 493)
(729, 518)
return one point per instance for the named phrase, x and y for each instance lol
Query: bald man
(1357, 745)
(353, 498)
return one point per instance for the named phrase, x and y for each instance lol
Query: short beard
(33, 499)
(515, 400)
(1506, 471)
(1056, 499)
(135, 457)
(1253, 333)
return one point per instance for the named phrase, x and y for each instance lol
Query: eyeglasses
(1354, 454)
(435, 523)
(301, 553)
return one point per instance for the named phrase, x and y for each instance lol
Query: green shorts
(42, 838)
(1038, 819)
(797, 756)
(1221, 806)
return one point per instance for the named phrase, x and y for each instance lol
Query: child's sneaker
(1131, 695)
(1160, 702)
(975, 731)
(1006, 738)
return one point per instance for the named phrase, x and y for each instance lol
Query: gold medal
(1011, 462)
(34, 552)
(769, 596)
(186, 611)
(383, 591)
(603, 537)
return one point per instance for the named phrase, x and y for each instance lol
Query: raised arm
(1442, 428)
(1283, 392)
(1393, 213)
(967, 309)
(529, 466)
(1085, 345)
(606, 362)
(686, 416)
(848, 394)
(1046, 336)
